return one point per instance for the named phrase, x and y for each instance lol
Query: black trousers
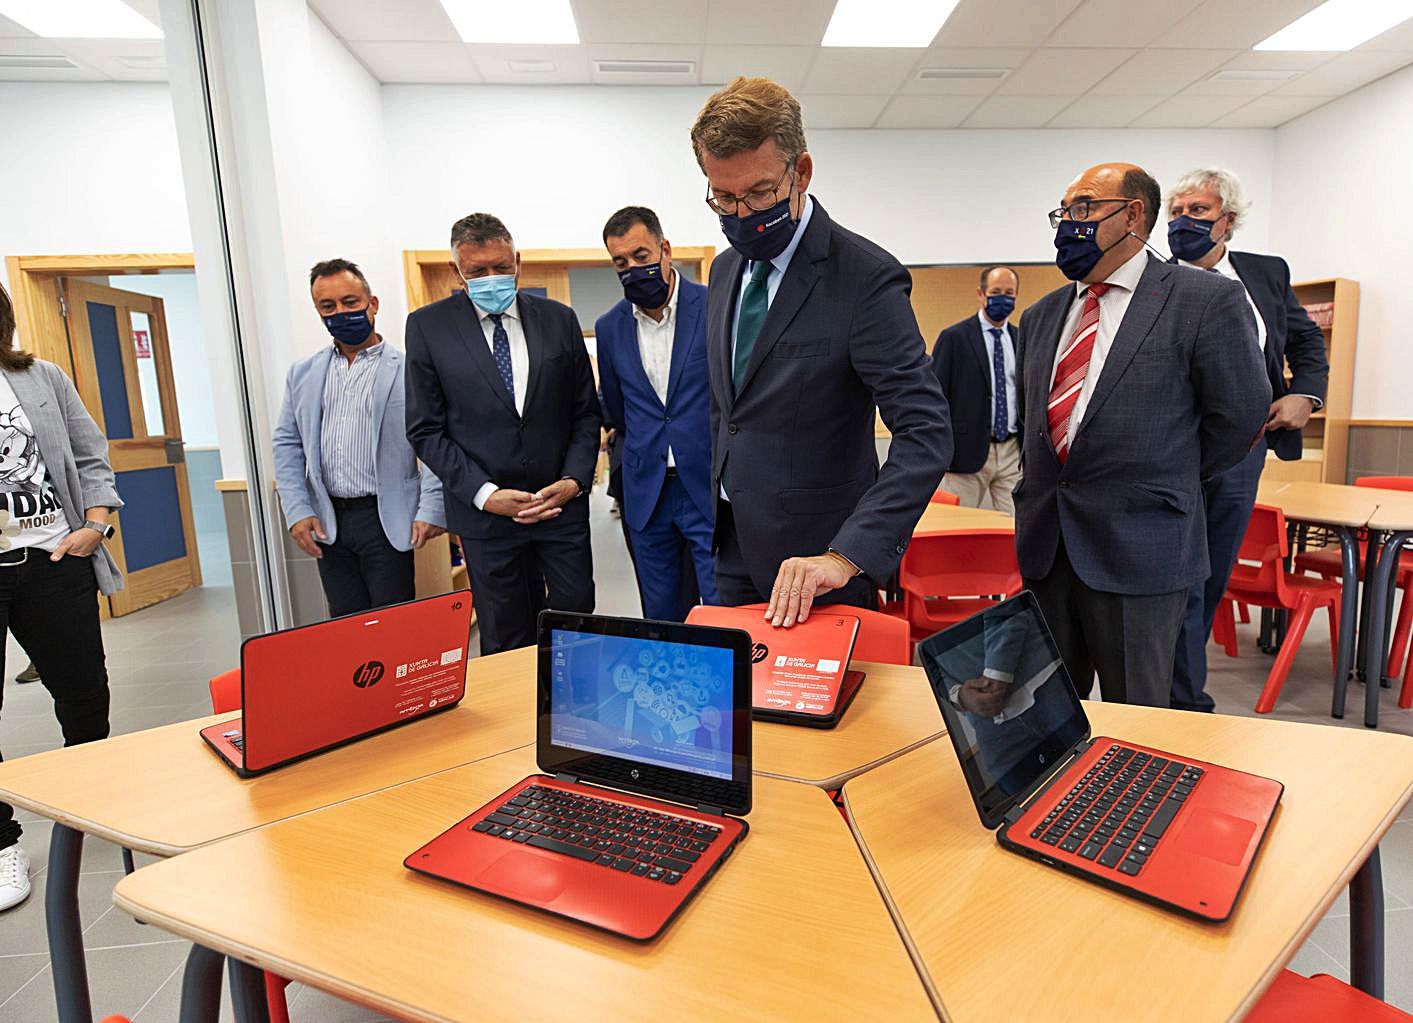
(1127, 640)
(361, 569)
(52, 608)
(547, 565)
(733, 580)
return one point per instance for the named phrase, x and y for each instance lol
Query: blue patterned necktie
(500, 346)
(1001, 421)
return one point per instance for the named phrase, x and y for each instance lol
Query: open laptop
(309, 689)
(644, 738)
(800, 675)
(1164, 827)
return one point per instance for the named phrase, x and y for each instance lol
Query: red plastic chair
(948, 576)
(226, 696)
(945, 497)
(1259, 577)
(882, 638)
(1326, 564)
(1320, 999)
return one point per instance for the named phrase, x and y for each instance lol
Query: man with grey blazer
(1139, 380)
(349, 483)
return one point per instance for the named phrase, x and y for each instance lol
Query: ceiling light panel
(80, 19)
(1339, 25)
(543, 22)
(887, 22)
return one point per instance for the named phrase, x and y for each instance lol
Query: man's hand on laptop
(304, 531)
(801, 580)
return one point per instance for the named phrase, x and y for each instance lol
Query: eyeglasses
(1079, 210)
(757, 202)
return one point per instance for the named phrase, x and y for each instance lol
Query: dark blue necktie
(500, 346)
(1001, 421)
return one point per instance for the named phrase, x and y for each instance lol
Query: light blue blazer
(407, 492)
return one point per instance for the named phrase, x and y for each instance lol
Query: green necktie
(754, 305)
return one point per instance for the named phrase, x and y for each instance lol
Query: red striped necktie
(1071, 371)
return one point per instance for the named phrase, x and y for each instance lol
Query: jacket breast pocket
(801, 349)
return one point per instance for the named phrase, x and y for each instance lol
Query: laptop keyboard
(1119, 811)
(618, 836)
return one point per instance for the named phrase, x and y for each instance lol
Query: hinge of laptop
(1014, 814)
(715, 811)
(570, 778)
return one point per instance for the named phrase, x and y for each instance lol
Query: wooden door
(123, 372)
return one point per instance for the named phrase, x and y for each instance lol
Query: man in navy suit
(652, 369)
(975, 362)
(501, 405)
(1205, 208)
(809, 328)
(1138, 381)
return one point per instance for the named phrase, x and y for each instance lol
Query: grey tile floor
(159, 660)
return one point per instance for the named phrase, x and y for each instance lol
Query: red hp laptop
(307, 690)
(645, 744)
(801, 675)
(1166, 828)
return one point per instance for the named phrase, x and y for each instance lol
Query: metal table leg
(1376, 580)
(1369, 598)
(1348, 615)
(1366, 925)
(61, 917)
(248, 993)
(201, 986)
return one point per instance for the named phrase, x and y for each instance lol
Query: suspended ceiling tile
(1120, 22)
(787, 65)
(1184, 111)
(1015, 111)
(1162, 72)
(1103, 111)
(1062, 72)
(876, 71)
(797, 23)
(387, 20)
(841, 111)
(1024, 23)
(927, 111)
(1270, 111)
(662, 21)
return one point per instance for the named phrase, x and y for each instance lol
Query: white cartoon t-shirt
(30, 512)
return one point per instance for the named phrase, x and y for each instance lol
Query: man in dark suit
(809, 328)
(1205, 207)
(1138, 381)
(652, 369)
(501, 406)
(975, 362)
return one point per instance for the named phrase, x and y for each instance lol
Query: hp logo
(759, 652)
(633, 774)
(368, 674)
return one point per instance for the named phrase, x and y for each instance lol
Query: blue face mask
(351, 328)
(492, 294)
(1077, 246)
(645, 286)
(1190, 238)
(761, 236)
(1000, 307)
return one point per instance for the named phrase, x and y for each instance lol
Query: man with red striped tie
(1137, 382)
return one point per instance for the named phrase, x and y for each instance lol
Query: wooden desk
(1001, 937)
(894, 712)
(163, 791)
(791, 928)
(943, 517)
(1331, 504)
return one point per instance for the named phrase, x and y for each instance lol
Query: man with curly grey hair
(1205, 208)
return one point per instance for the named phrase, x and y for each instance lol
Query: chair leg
(1224, 627)
(1405, 695)
(275, 998)
(1334, 637)
(1245, 613)
(1295, 632)
(1399, 646)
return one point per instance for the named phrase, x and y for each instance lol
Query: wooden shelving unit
(1327, 434)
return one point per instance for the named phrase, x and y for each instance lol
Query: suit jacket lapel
(800, 278)
(468, 325)
(317, 381)
(382, 389)
(980, 346)
(730, 276)
(1042, 345)
(534, 344)
(1265, 308)
(684, 332)
(32, 398)
(1148, 300)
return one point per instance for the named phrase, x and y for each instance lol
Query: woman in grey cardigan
(56, 493)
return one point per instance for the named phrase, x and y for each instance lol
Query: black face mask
(645, 286)
(1077, 245)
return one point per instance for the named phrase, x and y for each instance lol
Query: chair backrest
(225, 691)
(882, 638)
(970, 563)
(945, 497)
(1260, 561)
(1386, 482)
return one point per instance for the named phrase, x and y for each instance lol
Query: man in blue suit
(652, 369)
(1138, 381)
(1204, 209)
(350, 486)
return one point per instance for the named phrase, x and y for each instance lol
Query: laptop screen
(1010, 709)
(659, 708)
(655, 702)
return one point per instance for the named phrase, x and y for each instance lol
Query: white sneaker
(14, 877)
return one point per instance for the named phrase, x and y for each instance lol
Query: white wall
(555, 161)
(1341, 180)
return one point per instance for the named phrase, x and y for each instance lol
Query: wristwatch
(104, 528)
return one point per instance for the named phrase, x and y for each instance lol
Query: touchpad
(525, 876)
(1216, 835)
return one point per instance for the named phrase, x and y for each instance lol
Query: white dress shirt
(1008, 347)
(519, 369)
(1112, 306)
(655, 348)
(1225, 268)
